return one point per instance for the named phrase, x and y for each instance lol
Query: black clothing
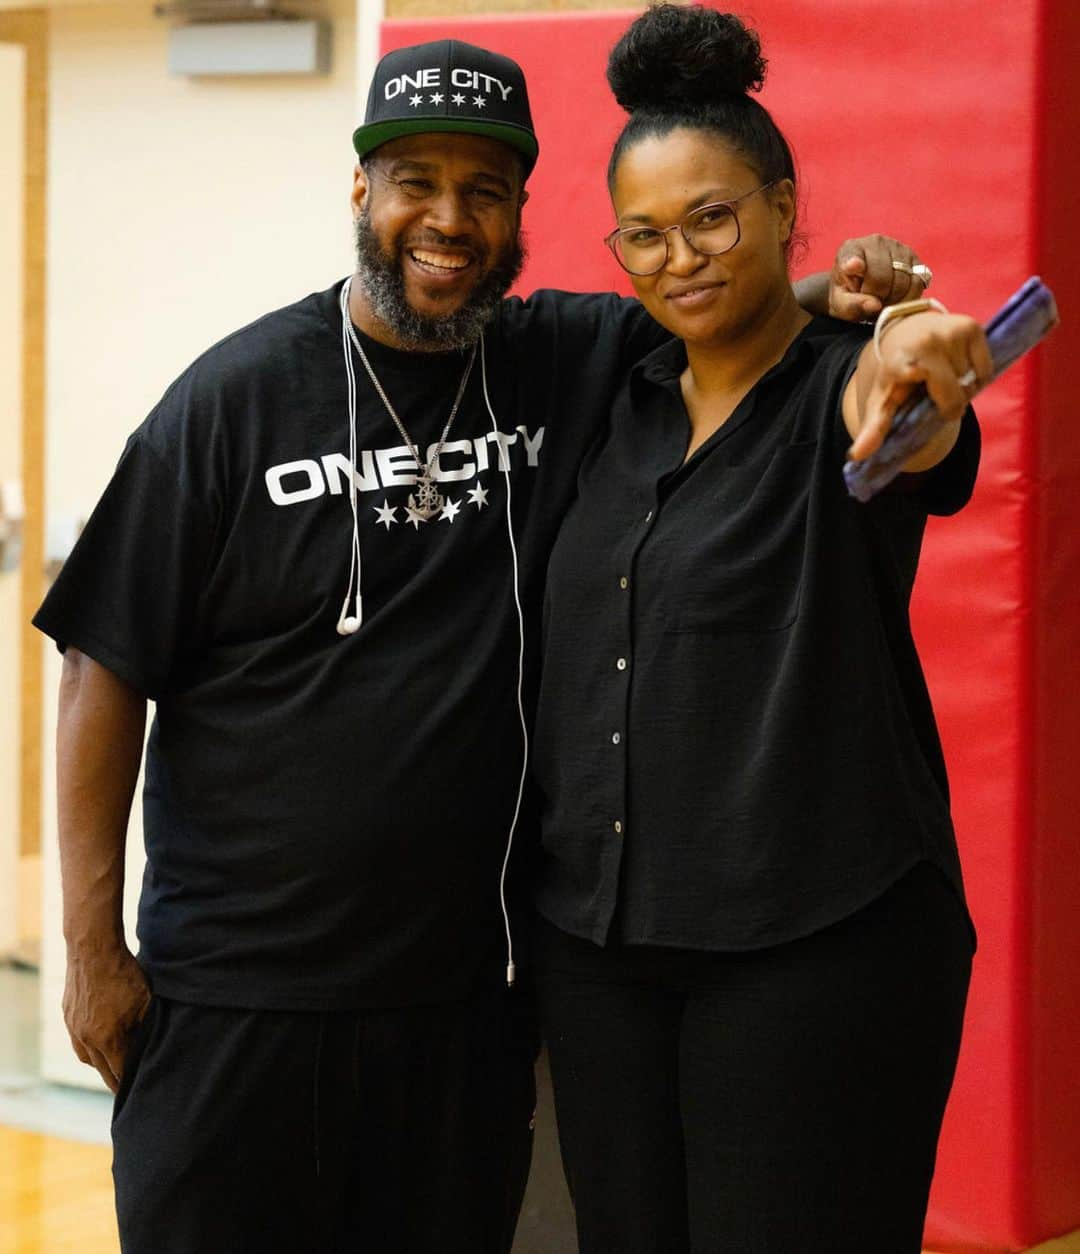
(781, 1101)
(269, 1132)
(734, 740)
(325, 817)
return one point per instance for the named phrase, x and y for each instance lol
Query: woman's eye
(710, 217)
(642, 239)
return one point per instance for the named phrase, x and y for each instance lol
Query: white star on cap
(479, 101)
(387, 515)
(458, 98)
(437, 97)
(413, 517)
(416, 100)
(449, 511)
(478, 496)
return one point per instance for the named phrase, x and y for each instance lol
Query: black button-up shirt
(735, 744)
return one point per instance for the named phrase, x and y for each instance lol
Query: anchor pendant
(426, 500)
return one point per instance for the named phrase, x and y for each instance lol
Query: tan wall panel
(12, 132)
(30, 29)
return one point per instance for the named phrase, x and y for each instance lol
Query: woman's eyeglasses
(711, 230)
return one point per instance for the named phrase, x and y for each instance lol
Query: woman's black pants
(781, 1101)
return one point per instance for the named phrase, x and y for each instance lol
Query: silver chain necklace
(426, 502)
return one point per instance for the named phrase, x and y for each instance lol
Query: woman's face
(705, 300)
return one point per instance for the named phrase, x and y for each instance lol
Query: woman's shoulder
(836, 337)
(834, 348)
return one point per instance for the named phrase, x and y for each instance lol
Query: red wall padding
(953, 126)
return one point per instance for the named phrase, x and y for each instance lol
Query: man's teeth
(440, 260)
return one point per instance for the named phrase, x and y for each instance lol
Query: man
(321, 555)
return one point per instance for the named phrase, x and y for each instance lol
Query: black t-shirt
(734, 739)
(325, 817)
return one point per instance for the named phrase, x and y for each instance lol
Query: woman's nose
(682, 256)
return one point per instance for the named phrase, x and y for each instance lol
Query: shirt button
(621, 664)
(624, 583)
(616, 738)
(618, 828)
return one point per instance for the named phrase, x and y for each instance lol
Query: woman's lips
(693, 295)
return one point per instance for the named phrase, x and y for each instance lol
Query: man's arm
(862, 281)
(98, 750)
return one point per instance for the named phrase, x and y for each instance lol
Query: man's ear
(358, 195)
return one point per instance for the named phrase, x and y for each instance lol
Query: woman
(753, 953)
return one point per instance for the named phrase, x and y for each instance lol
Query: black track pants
(401, 1131)
(781, 1101)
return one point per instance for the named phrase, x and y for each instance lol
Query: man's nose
(449, 212)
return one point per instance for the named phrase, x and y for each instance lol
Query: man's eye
(416, 187)
(486, 196)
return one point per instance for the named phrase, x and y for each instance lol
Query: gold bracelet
(903, 310)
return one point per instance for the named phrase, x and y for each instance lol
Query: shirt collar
(664, 365)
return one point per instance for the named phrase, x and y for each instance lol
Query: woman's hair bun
(677, 57)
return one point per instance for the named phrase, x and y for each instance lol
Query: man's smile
(439, 261)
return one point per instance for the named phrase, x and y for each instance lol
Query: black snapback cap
(448, 86)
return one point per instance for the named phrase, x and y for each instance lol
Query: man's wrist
(94, 938)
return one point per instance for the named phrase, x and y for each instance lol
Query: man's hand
(105, 996)
(863, 280)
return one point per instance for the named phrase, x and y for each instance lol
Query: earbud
(348, 624)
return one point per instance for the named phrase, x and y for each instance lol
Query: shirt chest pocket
(731, 553)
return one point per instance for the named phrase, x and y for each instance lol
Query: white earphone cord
(511, 969)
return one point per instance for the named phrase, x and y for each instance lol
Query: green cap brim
(367, 138)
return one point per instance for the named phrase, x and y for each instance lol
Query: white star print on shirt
(387, 515)
(411, 516)
(416, 100)
(479, 101)
(437, 97)
(449, 511)
(478, 496)
(458, 98)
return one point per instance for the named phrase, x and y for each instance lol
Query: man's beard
(382, 278)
